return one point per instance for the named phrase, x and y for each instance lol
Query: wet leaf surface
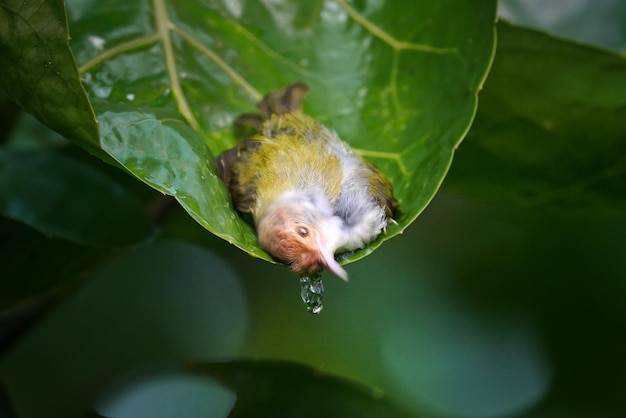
(397, 80)
(38, 70)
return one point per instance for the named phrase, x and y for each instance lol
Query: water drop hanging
(312, 293)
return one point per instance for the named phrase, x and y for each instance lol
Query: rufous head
(301, 233)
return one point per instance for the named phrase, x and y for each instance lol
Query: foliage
(565, 150)
(164, 82)
(150, 90)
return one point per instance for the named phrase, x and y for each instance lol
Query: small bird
(309, 195)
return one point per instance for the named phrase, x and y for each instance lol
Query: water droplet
(312, 293)
(130, 97)
(333, 13)
(97, 42)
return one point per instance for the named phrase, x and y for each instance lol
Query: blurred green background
(478, 310)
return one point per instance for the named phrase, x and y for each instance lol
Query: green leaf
(36, 272)
(174, 161)
(550, 128)
(397, 80)
(38, 71)
(280, 389)
(66, 198)
(9, 111)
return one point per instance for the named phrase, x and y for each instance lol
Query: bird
(308, 194)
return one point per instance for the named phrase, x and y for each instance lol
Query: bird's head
(301, 231)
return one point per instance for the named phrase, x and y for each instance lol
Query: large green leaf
(280, 389)
(550, 129)
(38, 71)
(398, 81)
(66, 198)
(36, 272)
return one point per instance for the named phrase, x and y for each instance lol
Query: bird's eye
(303, 232)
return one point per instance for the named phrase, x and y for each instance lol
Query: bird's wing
(279, 102)
(382, 190)
(229, 164)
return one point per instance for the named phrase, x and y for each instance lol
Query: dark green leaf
(280, 389)
(38, 71)
(9, 111)
(36, 272)
(66, 198)
(34, 264)
(550, 128)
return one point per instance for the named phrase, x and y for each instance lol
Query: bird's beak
(328, 258)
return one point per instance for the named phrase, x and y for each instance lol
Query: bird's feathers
(308, 193)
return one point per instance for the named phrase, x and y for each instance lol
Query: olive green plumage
(308, 193)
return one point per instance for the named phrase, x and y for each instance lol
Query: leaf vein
(393, 156)
(238, 78)
(164, 24)
(118, 49)
(276, 55)
(394, 43)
